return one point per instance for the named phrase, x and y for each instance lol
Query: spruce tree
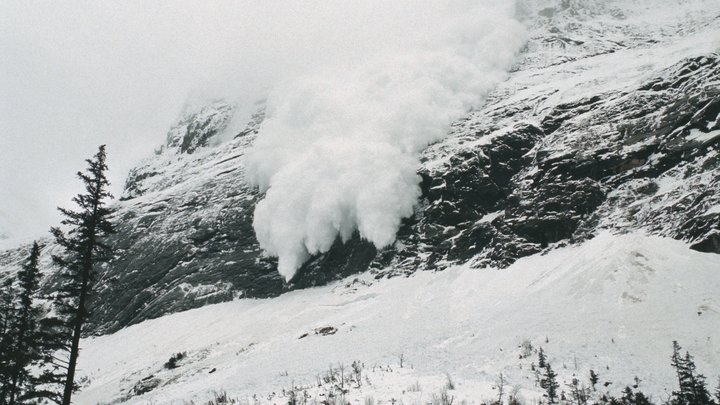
(678, 363)
(7, 314)
(84, 249)
(25, 349)
(692, 387)
(7, 308)
(541, 358)
(550, 383)
(31, 341)
(699, 394)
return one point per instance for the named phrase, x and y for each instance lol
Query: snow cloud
(338, 151)
(354, 90)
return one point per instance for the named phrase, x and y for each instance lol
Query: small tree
(500, 384)
(594, 378)
(631, 398)
(550, 383)
(84, 249)
(580, 393)
(542, 361)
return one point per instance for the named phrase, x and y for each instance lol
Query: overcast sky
(74, 75)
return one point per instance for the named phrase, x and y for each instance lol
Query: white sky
(74, 75)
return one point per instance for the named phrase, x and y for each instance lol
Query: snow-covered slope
(613, 304)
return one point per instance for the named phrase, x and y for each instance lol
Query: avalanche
(339, 148)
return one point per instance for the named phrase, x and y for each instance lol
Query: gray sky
(74, 75)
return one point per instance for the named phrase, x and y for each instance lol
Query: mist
(370, 83)
(74, 75)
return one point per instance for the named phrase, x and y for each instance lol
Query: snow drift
(338, 150)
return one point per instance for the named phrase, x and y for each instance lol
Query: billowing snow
(613, 304)
(338, 149)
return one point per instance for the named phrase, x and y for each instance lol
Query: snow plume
(338, 151)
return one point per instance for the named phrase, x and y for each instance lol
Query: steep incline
(612, 304)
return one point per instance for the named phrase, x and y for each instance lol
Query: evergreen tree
(26, 341)
(25, 349)
(550, 383)
(692, 387)
(541, 358)
(7, 308)
(84, 250)
(697, 387)
(627, 395)
(52, 370)
(7, 314)
(641, 399)
(632, 398)
(580, 394)
(594, 378)
(678, 363)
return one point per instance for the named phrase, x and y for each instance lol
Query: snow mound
(338, 149)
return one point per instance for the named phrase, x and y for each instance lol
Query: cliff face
(610, 120)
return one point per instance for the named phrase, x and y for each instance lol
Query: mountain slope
(612, 304)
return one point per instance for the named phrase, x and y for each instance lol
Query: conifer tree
(594, 378)
(697, 386)
(24, 347)
(678, 364)
(28, 341)
(550, 383)
(628, 396)
(541, 358)
(692, 387)
(7, 309)
(641, 399)
(7, 314)
(84, 249)
(631, 398)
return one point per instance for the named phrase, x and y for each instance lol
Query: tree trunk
(75, 346)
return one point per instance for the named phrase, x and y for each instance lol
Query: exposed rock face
(606, 122)
(595, 162)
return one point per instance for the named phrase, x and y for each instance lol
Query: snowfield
(613, 304)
